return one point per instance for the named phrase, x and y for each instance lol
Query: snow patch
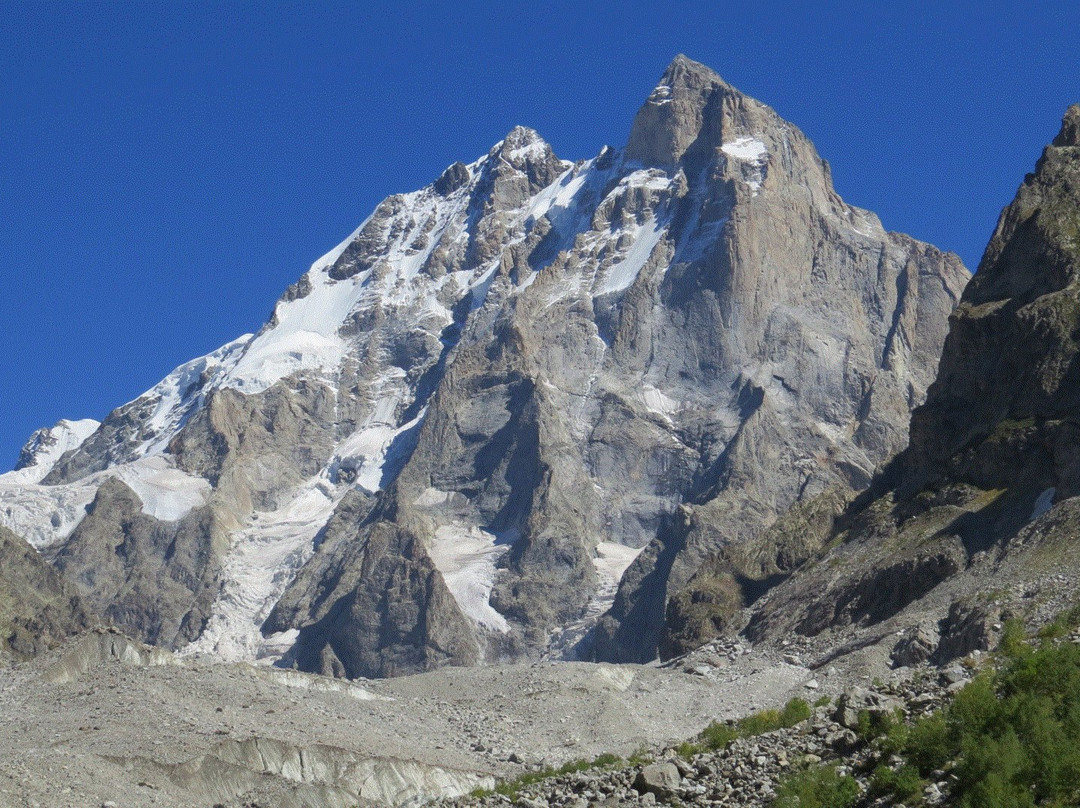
(177, 395)
(611, 561)
(1043, 503)
(167, 493)
(535, 149)
(48, 445)
(749, 149)
(263, 559)
(304, 338)
(752, 151)
(47, 514)
(43, 514)
(466, 558)
(655, 401)
(625, 272)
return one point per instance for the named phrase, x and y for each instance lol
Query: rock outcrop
(38, 609)
(462, 425)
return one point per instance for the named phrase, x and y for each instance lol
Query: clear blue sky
(167, 169)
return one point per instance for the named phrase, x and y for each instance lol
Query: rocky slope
(460, 427)
(103, 720)
(978, 517)
(38, 608)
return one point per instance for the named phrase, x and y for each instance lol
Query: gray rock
(917, 645)
(986, 485)
(38, 607)
(659, 779)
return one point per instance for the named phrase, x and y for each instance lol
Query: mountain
(515, 411)
(977, 519)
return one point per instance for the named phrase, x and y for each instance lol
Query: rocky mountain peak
(1070, 128)
(695, 121)
(468, 430)
(685, 72)
(986, 494)
(671, 118)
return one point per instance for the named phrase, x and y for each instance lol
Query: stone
(660, 779)
(917, 645)
(985, 491)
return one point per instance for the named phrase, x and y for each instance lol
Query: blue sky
(167, 169)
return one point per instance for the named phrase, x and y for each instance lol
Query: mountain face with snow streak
(513, 412)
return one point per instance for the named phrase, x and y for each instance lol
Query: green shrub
(904, 783)
(758, 723)
(875, 725)
(1011, 737)
(930, 744)
(717, 735)
(794, 712)
(818, 787)
(607, 760)
(687, 749)
(1013, 640)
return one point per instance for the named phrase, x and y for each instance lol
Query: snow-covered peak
(520, 137)
(46, 446)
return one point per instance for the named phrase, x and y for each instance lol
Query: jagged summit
(1018, 318)
(1070, 128)
(683, 70)
(692, 109)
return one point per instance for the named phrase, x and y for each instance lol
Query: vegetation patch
(817, 787)
(1009, 739)
(719, 734)
(511, 788)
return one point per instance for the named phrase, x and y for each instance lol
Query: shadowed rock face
(462, 425)
(155, 580)
(992, 462)
(38, 609)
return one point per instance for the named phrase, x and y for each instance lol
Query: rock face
(989, 480)
(462, 425)
(38, 608)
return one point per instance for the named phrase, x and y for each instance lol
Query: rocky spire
(985, 496)
(671, 118)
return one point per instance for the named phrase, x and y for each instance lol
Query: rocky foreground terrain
(105, 720)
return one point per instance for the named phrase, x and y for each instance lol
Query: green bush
(718, 735)
(511, 788)
(818, 787)
(687, 749)
(875, 725)
(1011, 737)
(795, 711)
(930, 744)
(904, 783)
